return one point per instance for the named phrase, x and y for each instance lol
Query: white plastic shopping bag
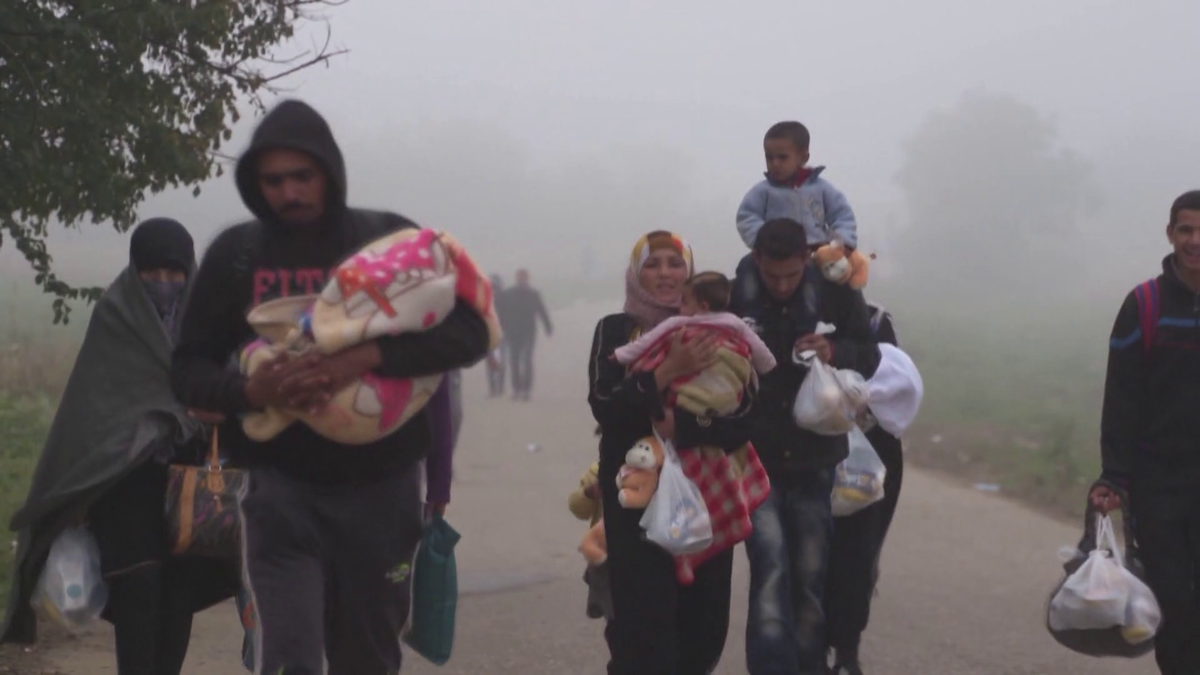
(676, 517)
(859, 480)
(1097, 595)
(71, 590)
(824, 403)
(1142, 615)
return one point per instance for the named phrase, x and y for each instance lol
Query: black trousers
(520, 354)
(1166, 523)
(659, 626)
(330, 571)
(151, 613)
(854, 556)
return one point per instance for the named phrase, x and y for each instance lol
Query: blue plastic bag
(435, 593)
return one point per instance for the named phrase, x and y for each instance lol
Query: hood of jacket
(804, 176)
(293, 125)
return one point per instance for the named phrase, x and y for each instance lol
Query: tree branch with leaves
(105, 101)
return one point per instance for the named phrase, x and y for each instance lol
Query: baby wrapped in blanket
(733, 485)
(407, 281)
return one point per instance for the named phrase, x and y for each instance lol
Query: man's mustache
(294, 206)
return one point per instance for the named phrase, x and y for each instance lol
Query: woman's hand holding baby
(686, 358)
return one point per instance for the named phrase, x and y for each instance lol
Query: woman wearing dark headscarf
(105, 462)
(659, 626)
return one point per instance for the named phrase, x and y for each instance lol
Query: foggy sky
(539, 127)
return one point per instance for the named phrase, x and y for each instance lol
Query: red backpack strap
(1149, 309)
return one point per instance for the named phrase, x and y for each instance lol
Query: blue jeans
(789, 554)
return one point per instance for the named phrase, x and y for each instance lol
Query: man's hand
(264, 389)
(434, 509)
(1104, 499)
(816, 343)
(312, 388)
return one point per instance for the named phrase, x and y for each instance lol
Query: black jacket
(624, 405)
(278, 263)
(519, 309)
(785, 448)
(883, 330)
(1150, 429)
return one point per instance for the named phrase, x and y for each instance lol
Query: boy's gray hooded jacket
(809, 200)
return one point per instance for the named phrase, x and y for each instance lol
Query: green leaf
(104, 102)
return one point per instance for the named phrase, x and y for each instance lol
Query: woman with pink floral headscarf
(660, 627)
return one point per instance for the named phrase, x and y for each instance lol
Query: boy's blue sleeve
(751, 214)
(839, 216)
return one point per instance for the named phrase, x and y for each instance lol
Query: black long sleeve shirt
(1149, 429)
(785, 448)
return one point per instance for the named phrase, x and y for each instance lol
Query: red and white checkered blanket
(733, 487)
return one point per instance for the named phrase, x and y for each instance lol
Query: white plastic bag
(859, 480)
(823, 404)
(676, 517)
(855, 388)
(895, 390)
(1097, 595)
(1142, 614)
(71, 590)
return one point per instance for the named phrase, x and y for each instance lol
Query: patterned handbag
(203, 518)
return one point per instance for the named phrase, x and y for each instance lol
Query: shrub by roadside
(25, 423)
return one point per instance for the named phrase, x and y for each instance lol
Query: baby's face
(689, 305)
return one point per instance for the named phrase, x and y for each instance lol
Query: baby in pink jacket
(742, 355)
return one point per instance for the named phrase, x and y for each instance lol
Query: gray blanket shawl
(116, 412)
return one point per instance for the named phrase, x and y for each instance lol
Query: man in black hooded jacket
(330, 529)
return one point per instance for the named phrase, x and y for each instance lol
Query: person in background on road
(330, 530)
(858, 539)
(117, 428)
(789, 545)
(495, 360)
(661, 627)
(523, 307)
(1150, 430)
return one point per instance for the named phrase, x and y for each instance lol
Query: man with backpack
(1150, 434)
(330, 530)
(789, 546)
